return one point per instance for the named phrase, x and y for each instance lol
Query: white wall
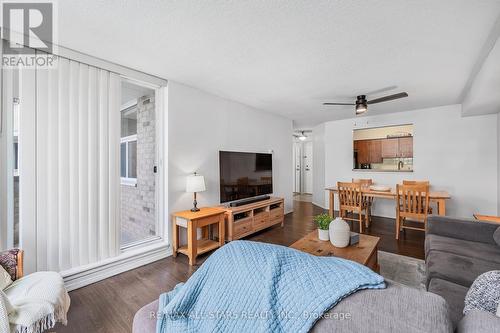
(319, 166)
(498, 163)
(457, 154)
(200, 124)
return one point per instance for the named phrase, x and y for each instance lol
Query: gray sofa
(457, 251)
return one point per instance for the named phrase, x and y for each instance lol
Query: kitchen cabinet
(397, 147)
(375, 147)
(390, 148)
(363, 150)
(369, 151)
(406, 147)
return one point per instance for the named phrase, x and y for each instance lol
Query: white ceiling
(290, 56)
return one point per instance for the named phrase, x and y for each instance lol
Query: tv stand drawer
(242, 227)
(261, 219)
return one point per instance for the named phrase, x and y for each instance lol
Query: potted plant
(323, 223)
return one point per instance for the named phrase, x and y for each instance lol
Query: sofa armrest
(478, 321)
(470, 230)
(12, 262)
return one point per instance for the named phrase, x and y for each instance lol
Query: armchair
(32, 303)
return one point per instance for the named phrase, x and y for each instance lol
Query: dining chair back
(351, 201)
(412, 202)
(419, 182)
(366, 182)
(363, 181)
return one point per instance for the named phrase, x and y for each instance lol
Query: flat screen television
(245, 175)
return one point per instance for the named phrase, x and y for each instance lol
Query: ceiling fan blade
(338, 104)
(388, 98)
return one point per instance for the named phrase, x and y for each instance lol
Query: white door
(297, 157)
(308, 167)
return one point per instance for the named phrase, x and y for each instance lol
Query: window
(128, 146)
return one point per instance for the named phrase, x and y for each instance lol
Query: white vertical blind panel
(53, 155)
(43, 184)
(83, 158)
(74, 163)
(63, 195)
(27, 169)
(114, 99)
(93, 166)
(104, 208)
(6, 161)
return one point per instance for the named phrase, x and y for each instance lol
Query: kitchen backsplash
(392, 164)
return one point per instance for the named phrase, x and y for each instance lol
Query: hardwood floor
(110, 305)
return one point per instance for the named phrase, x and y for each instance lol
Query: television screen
(244, 175)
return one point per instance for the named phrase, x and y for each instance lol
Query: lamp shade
(195, 183)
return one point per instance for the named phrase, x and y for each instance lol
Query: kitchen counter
(380, 170)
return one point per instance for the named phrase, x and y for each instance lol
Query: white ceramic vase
(340, 233)
(323, 234)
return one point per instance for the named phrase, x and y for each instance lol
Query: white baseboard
(83, 276)
(321, 206)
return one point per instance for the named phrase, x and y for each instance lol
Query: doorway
(302, 164)
(308, 167)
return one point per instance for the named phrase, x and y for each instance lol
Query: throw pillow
(496, 236)
(5, 279)
(484, 294)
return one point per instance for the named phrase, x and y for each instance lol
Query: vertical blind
(77, 165)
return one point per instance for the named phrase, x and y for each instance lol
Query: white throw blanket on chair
(39, 300)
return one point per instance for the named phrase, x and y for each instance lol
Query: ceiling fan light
(361, 108)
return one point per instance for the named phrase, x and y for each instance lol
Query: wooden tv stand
(244, 220)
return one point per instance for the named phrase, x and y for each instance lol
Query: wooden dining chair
(419, 182)
(412, 202)
(366, 182)
(351, 201)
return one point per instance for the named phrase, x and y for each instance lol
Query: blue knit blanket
(255, 287)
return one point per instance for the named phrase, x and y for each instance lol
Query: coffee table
(364, 252)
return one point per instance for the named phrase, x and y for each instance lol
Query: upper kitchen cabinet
(390, 148)
(376, 151)
(363, 151)
(405, 147)
(368, 151)
(397, 147)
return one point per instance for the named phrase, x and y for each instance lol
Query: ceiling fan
(362, 104)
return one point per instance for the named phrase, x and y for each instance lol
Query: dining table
(438, 197)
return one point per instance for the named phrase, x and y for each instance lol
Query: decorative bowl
(380, 188)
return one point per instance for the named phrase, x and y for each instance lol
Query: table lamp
(195, 183)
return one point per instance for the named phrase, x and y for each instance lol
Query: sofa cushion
(395, 309)
(484, 294)
(483, 251)
(453, 293)
(496, 236)
(456, 268)
(478, 321)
